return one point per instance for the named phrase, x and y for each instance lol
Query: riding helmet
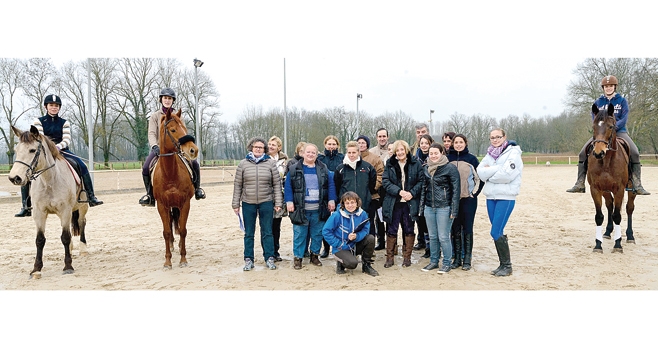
(167, 91)
(52, 99)
(609, 80)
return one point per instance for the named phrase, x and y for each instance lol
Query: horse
(172, 183)
(54, 190)
(608, 177)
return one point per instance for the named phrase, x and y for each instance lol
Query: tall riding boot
(325, 249)
(579, 187)
(391, 248)
(148, 199)
(635, 178)
(457, 251)
(89, 188)
(26, 210)
(468, 251)
(421, 241)
(381, 235)
(503, 255)
(408, 250)
(198, 192)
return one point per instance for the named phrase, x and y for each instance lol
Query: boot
(366, 267)
(468, 251)
(297, 263)
(408, 250)
(26, 210)
(325, 249)
(503, 256)
(89, 189)
(579, 187)
(427, 253)
(314, 260)
(421, 242)
(340, 269)
(198, 192)
(381, 242)
(635, 178)
(148, 199)
(457, 251)
(391, 248)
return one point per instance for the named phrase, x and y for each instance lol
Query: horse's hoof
(617, 250)
(68, 271)
(630, 241)
(607, 237)
(598, 250)
(167, 267)
(182, 264)
(35, 275)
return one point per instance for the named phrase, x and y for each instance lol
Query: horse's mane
(28, 138)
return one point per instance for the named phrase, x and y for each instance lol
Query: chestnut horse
(172, 184)
(607, 175)
(54, 190)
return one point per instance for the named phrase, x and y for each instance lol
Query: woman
(501, 169)
(423, 236)
(440, 200)
(59, 131)
(348, 233)
(310, 198)
(299, 152)
(355, 175)
(471, 185)
(274, 146)
(403, 182)
(447, 140)
(167, 98)
(332, 159)
(257, 189)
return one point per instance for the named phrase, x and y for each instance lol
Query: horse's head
(172, 128)
(35, 153)
(604, 130)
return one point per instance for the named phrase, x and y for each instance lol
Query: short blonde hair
(402, 143)
(329, 137)
(277, 140)
(352, 143)
(300, 146)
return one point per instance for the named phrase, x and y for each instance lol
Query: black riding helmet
(167, 91)
(52, 99)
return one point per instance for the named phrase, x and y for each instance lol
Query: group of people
(355, 203)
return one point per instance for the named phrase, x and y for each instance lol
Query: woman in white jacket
(501, 169)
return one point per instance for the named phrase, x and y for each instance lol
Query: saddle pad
(73, 172)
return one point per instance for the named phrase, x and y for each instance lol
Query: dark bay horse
(54, 190)
(172, 184)
(607, 175)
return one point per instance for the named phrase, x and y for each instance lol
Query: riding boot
(635, 178)
(421, 242)
(468, 251)
(503, 255)
(89, 188)
(26, 210)
(408, 250)
(325, 249)
(391, 248)
(457, 250)
(148, 199)
(579, 187)
(198, 192)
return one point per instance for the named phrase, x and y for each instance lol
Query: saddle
(625, 147)
(188, 166)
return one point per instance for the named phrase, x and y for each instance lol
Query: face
(331, 145)
(272, 147)
(352, 153)
(435, 154)
(401, 154)
(609, 90)
(459, 144)
(52, 108)
(447, 142)
(350, 205)
(424, 145)
(382, 137)
(258, 148)
(167, 101)
(497, 138)
(390, 150)
(421, 132)
(310, 154)
(362, 145)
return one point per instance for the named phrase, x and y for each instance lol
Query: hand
(277, 208)
(237, 211)
(351, 236)
(331, 206)
(156, 149)
(291, 208)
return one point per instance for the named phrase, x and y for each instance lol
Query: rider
(612, 98)
(59, 131)
(167, 98)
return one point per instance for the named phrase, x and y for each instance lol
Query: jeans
(499, 212)
(438, 225)
(301, 234)
(265, 213)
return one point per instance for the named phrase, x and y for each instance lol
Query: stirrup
(146, 200)
(199, 194)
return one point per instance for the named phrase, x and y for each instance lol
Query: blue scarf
(250, 157)
(495, 152)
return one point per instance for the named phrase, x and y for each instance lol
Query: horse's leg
(182, 223)
(616, 217)
(598, 218)
(609, 207)
(40, 220)
(65, 220)
(166, 232)
(630, 207)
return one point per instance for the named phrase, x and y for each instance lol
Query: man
(381, 150)
(421, 129)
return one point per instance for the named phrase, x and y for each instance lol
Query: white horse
(55, 189)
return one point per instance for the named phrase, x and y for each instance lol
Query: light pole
(431, 112)
(358, 121)
(197, 64)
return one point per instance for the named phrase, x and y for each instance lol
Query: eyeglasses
(496, 137)
(258, 147)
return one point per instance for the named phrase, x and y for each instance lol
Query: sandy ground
(551, 236)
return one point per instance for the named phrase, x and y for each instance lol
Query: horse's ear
(611, 109)
(17, 132)
(178, 113)
(34, 131)
(595, 109)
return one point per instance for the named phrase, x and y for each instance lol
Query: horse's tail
(175, 216)
(75, 217)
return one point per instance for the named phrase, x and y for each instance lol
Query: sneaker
(270, 263)
(248, 265)
(444, 269)
(431, 266)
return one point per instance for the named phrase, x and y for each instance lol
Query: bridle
(607, 142)
(173, 140)
(32, 173)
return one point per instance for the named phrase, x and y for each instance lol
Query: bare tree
(11, 80)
